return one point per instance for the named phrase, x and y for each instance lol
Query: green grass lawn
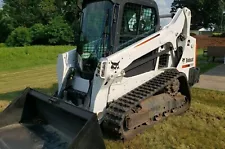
(28, 57)
(12, 59)
(203, 64)
(203, 126)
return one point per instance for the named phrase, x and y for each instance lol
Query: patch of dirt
(203, 41)
(3, 105)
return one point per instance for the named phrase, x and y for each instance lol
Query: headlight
(103, 70)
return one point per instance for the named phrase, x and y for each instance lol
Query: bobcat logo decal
(115, 65)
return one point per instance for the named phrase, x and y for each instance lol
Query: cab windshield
(95, 30)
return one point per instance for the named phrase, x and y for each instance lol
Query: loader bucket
(38, 121)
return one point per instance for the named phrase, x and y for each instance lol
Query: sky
(1, 3)
(164, 8)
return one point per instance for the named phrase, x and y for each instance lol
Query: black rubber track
(119, 109)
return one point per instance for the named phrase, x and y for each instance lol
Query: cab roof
(151, 3)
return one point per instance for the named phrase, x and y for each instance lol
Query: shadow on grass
(206, 65)
(10, 96)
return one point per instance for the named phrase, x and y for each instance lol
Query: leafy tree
(5, 25)
(59, 32)
(19, 37)
(48, 10)
(70, 11)
(38, 34)
(204, 12)
(23, 12)
(27, 13)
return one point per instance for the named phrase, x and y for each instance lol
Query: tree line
(205, 13)
(26, 22)
(55, 22)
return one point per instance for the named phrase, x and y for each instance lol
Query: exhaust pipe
(38, 121)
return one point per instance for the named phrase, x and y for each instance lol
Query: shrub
(2, 45)
(193, 34)
(38, 34)
(216, 34)
(19, 37)
(222, 35)
(59, 32)
(6, 26)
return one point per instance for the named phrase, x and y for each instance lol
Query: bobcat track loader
(126, 74)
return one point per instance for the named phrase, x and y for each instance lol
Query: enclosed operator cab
(108, 26)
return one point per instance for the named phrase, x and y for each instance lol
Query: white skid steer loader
(126, 74)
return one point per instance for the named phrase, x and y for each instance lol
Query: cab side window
(137, 20)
